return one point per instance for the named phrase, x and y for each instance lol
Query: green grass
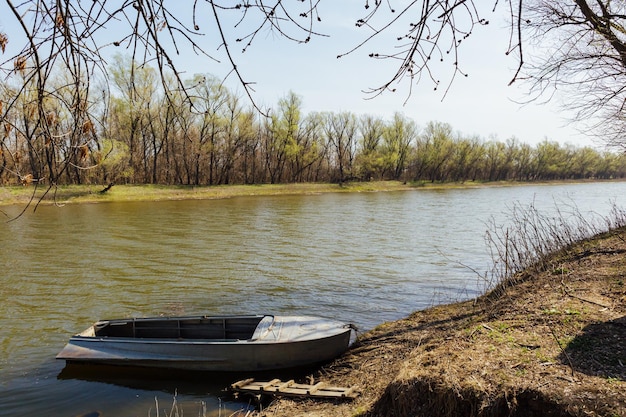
(11, 195)
(92, 193)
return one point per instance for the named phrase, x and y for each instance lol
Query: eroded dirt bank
(553, 344)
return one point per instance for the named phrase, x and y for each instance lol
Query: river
(364, 258)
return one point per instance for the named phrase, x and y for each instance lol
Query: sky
(481, 104)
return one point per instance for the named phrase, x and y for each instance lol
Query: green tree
(466, 160)
(500, 159)
(435, 148)
(524, 163)
(238, 131)
(130, 109)
(281, 144)
(398, 136)
(311, 149)
(113, 159)
(210, 99)
(370, 160)
(340, 130)
(585, 163)
(250, 130)
(551, 160)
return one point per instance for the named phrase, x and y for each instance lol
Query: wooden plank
(267, 385)
(316, 387)
(290, 388)
(287, 384)
(349, 392)
(242, 383)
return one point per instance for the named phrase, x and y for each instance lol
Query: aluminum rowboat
(211, 343)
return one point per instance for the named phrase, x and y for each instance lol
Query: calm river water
(365, 258)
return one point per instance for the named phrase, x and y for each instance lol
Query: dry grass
(553, 344)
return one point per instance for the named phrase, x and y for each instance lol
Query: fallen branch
(107, 188)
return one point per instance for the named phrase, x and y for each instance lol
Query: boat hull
(288, 343)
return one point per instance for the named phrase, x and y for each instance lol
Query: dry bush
(532, 240)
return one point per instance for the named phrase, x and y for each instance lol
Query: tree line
(137, 133)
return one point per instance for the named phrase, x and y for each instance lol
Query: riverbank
(74, 194)
(554, 344)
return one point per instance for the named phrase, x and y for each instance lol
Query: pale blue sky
(481, 104)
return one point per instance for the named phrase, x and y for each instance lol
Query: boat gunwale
(335, 328)
(149, 340)
(192, 317)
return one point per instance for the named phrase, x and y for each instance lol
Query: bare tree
(583, 53)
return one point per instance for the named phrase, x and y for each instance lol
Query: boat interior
(201, 327)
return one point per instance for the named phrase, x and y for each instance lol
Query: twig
(567, 292)
(569, 360)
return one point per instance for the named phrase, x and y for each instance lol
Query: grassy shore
(70, 194)
(96, 194)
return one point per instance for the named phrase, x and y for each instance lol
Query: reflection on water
(172, 382)
(363, 258)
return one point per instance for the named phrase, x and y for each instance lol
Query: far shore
(97, 193)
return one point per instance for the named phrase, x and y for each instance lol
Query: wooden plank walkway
(290, 388)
